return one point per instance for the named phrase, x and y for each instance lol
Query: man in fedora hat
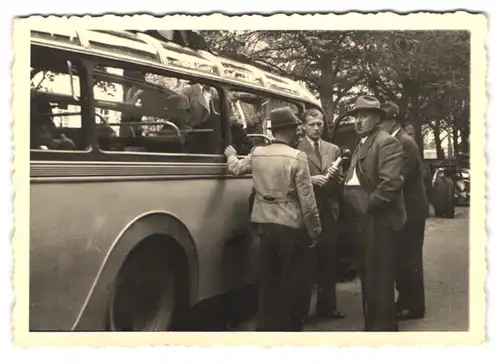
(373, 200)
(327, 189)
(285, 210)
(409, 266)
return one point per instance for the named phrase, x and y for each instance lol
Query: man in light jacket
(285, 210)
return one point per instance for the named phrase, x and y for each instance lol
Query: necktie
(316, 149)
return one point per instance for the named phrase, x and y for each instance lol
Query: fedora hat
(367, 103)
(283, 117)
(391, 110)
(392, 113)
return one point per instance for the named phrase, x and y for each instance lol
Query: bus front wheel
(144, 294)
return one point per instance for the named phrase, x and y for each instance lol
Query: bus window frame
(124, 64)
(91, 60)
(86, 124)
(301, 105)
(223, 88)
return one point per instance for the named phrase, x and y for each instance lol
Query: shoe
(404, 315)
(334, 314)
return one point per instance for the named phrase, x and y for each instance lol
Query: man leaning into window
(285, 210)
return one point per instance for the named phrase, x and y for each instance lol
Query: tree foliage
(425, 72)
(327, 62)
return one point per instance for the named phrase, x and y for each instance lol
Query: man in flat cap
(285, 210)
(373, 201)
(409, 266)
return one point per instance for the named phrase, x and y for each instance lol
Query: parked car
(450, 185)
(462, 187)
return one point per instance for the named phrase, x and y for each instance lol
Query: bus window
(55, 108)
(152, 113)
(251, 119)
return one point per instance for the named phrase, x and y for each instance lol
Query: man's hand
(333, 171)
(230, 151)
(314, 242)
(319, 180)
(66, 143)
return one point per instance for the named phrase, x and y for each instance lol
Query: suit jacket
(379, 165)
(415, 197)
(327, 197)
(199, 108)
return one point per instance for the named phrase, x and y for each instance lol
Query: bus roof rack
(144, 47)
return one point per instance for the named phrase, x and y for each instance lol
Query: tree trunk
(415, 119)
(449, 142)
(455, 140)
(465, 134)
(417, 127)
(326, 86)
(439, 148)
(409, 105)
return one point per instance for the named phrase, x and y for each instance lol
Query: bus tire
(144, 293)
(444, 198)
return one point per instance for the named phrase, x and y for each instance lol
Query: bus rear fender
(156, 226)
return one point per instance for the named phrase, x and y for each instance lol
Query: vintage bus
(133, 215)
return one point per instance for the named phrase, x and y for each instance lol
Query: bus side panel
(73, 226)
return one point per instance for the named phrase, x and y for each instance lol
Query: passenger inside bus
(194, 107)
(200, 101)
(43, 131)
(177, 111)
(250, 109)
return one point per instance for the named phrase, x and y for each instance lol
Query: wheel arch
(144, 227)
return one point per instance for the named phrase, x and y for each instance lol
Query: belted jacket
(284, 193)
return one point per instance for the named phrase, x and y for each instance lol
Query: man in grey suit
(321, 155)
(199, 98)
(373, 199)
(409, 263)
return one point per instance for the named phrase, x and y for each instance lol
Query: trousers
(285, 284)
(376, 242)
(326, 264)
(409, 267)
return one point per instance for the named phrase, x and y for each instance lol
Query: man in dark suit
(200, 98)
(373, 199)
(201, 101)
(321, 155)
(409, 266)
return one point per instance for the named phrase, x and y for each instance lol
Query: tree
(425, 72)
(326, 61)
(48, 77)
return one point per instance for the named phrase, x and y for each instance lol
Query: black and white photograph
(244, 180)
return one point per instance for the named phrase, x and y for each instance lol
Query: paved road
(446, 254)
